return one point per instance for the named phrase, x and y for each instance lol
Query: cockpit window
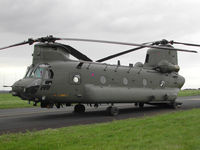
(42, 70)
(38, 72)
(29, 71)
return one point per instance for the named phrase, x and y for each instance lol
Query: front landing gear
(175, 105)
(79, 108)
(112, 111)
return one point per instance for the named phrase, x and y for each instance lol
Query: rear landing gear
(79, 108)
(141, 105)
(112, 111)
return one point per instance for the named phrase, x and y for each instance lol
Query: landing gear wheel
(141, 105)
(79, 108)
(57, 105)
(113, 111)
(174, 105)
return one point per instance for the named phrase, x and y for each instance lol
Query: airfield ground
(176, 130)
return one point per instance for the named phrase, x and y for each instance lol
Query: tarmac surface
(23, 119)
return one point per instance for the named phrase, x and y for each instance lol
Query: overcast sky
(134, 21)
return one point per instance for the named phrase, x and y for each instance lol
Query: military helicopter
(53, 79)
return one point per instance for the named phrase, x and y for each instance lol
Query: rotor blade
(124, 52)
(124, 43)
(119, 54)
(75, 53)
(18, 44)
(29, 41)
(188, 44)
(6, 86)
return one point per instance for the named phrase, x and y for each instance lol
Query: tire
(174, 105)
(79, 108)
(141, 105)
(113, 111)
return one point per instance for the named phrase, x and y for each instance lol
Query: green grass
(9, 101)
(173, 131)
(189, 92)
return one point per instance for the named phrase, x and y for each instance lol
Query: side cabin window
(48, 74)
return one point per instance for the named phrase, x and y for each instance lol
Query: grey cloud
(138, 17)
(129, 21)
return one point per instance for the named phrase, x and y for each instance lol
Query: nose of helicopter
(17, 88)
(25, 87)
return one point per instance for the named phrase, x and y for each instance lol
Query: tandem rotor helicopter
(53, 79)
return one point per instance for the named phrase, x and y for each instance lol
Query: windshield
(36, 73)
(28, 72)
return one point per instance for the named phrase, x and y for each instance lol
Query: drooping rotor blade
(123, 53)
(18, 44)
(124, 43)
(188, 44)
(7, 86)
(76, 53)
(30, 41)
(119, 54)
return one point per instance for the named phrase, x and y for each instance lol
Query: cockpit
(41, 71)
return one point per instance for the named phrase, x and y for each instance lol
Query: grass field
(9, 101)
(189, 92)
(173, 131)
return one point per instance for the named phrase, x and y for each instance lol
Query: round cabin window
(103, 80)
(125, 81)
(144, 81)
(76, 79)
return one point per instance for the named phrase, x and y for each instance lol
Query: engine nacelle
(166, 67)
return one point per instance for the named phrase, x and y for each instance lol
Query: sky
(135, 21)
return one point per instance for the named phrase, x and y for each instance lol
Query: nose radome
(17, 88)
(24, 88)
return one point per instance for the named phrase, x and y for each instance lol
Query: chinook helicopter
(53, 79)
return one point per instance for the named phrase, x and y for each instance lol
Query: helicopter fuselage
(54, 79)
(88, 82)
